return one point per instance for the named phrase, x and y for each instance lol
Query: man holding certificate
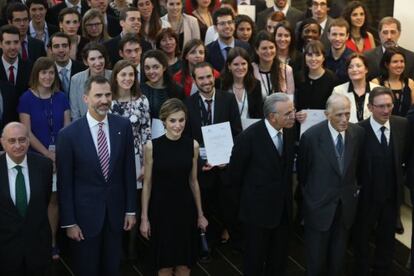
(261, 167)
(208, 107)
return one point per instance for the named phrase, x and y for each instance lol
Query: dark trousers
(24, 271)
(412, 238)
(266, 249)
(326, 247)
(382, 217)
(99, 255)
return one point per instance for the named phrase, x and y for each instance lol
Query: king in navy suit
(96, 183)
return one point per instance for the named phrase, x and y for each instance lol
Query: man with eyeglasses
(59, 49)
(25, 189)
(385, 150)
(319, 11)
(262, 173)
(327, 165)
(292, 14)
(217, 51)
(31, 48)
(389, 31)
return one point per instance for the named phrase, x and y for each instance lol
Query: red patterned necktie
(24, 51)
(103, 152)
(11, 74)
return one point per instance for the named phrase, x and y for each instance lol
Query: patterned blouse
(138, 113)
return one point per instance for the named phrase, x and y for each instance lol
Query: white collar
(92, 122)
(15, 63)
(32, 30)
(11, 164)
(323, 24)
(377, 126)
(334, 132)
(67, 66)
(271, 130)
(212, 98)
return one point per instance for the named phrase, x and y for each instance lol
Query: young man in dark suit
(96, 183)
(12, 68)
(38, 27)
(262, 171)
(223, 20)
(327, 170)
(385, 151)
(25, 189)
(31, 48)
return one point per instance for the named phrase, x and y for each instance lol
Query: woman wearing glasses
(93, 27)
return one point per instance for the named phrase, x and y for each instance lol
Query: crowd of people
(102, 107)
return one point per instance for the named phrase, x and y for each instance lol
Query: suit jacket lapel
(326, 144)
(114, 136)
(218, 107)
(89, 143)
(349, 148)
(34, 177)
(4, 183)
(268, 143)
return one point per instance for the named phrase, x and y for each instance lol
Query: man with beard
(327, 166)
(96, 183)
(292, 14)
(389, 31)
(206, 107)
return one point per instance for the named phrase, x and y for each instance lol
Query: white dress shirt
(94, 127)
(334, 134)
(376, 127)
(212, 104)
(7, 66)
(273, 132)
(12, 172)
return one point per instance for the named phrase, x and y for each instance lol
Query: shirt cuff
(130, 214)
(68, 226)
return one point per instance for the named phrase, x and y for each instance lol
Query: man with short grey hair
(327, 163)
(261, 169)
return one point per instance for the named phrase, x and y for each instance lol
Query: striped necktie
(103, 152)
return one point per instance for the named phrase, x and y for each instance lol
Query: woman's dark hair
(185, 66)
(95, 46)
(43, 63)
(245, 18)
(154, 23)
(385, 62)
(162, 58)
(168, 32)
(354, 56)
(286, 25)
(275, 69)
(346, 14)
(172, 106)
(313, 47)
(135, 90)
(92, 14)
(300, 43)
(227, 76)
(211, 6)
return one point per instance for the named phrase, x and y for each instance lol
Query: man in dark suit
(210, 106)
(111, 22)
(25, 189)
(96, 183)
(38, 27)
(59, 49)
(12, 68)
(53, 13)
(130, 21)
(389, 31)
(31, 48)
(263, 172)
(8, 104)
(327, 166)
(292, 14)
(223, 20)
(385, 150)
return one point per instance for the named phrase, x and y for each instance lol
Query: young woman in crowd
(184, 25)
(315, 83)
(308, 30)
(156, 83)
(273, 76)
(44, 110)
(392, 66)
(202, 11)
(360, 40)
(171, 201)
(194, 52)
(96, 59)
(238, 78)
(285, 46)
(93, 26)
(167, 41)
(357, 90)
(245, 29)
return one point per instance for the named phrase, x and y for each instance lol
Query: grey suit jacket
(324, 184)
(78, 107)
(293, 15)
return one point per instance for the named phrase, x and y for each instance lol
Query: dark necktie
(339, 144)
(11, 75)
(208, 102)
(103, 152)
(280, 143)
(24, 51)
(227, 49)
(21, 194)
(384, 143)
(65, 80)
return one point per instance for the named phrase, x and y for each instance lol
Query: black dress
(172, 212)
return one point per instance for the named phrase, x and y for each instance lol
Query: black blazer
(400, 136)
(36, 48)
(23, 75)
(113, 26)
(225, 109)
(293, 15)
(410, 162)
(374, 57)
(322, 182)
(112, 46)
(76, 67)
(26, 240)
(215, 57)
(53, 13)
(264, 177)
(10, 102)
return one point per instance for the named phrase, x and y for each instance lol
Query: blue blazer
(215, 57)
(85, 198)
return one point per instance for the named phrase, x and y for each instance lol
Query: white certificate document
(218, 142)
(313, 117)
(249, 10)
(157, 128)
(246, 122)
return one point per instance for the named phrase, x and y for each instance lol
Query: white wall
(403, 11)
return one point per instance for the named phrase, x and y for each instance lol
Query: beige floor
(407, 222)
